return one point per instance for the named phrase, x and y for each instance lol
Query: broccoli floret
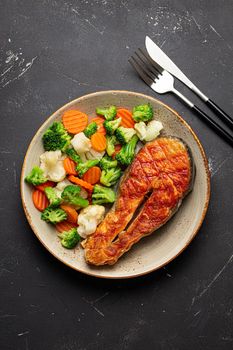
(53, 215)
(90, 129)
(107, 163)
(108, 113)
(54, 200)
(73, 155)
(111, 142)
(103, 195)
(71, 195)
(36, 176)
(112, 125)
(124, 134)
(126, 154)
(143, 113)
(83, 167)
(69, 239)
(56, 138)
(109, 177)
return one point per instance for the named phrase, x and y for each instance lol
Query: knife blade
(166, 63)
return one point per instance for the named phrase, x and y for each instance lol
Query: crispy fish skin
(163, 166)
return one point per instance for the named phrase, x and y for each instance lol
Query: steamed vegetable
(81, 143)
(112, 125)
(72, 214)
(90, 129)
(61, 186)
(100, 124)
(83, 167)
(124, 134)
(102, 195)
(80, 182)
(89, 218)
(126, 154)
(71, 195)
(36, 176)
(42, 187)
(65, 226)
(148, 132)
(126, 117)
(143, 113)
(71, 153)
(98, 142)
(74, 121)
(54, 200)
(153, 129)
(56, 138)
(52, 165)
(40, 200)
(69, 166)
(91, 154)
(111, 142)
(92, 175)
(141, 130)
(53, 215)
(69, 239)
(110, 176)
(108, 113)
(107, 162)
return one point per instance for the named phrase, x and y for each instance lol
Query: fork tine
(150, 70)
(140, 72)
(145, 68)
(152, 62)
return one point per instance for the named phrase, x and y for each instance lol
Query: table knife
(166, 63)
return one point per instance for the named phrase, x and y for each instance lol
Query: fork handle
(218, 128)
(215, 108)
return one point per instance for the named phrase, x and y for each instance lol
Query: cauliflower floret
(153, 129)
(52, 165)
(140, 130)
(89, 218)
(81, 143)
(91, 154)
(148, 132)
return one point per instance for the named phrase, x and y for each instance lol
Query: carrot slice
(117, 150)
(98, 142)
(72, 215)
(126, 117)
(69, 166)
(40, 200)
(44, 185)
(65, 226)
(100, 123)
(80, 182)
(74, 121)
(92, 175)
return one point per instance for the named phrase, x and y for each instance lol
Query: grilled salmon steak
(162, 172)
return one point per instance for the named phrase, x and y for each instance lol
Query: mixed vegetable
(81, 164)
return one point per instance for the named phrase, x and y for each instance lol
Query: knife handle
(221, 131)
(215, 108)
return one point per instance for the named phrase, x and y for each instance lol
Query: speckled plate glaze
(165, 244)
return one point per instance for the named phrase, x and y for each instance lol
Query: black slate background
(52, 52)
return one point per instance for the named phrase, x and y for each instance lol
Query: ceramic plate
(153, 251)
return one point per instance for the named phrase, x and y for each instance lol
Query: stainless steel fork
(161, 81)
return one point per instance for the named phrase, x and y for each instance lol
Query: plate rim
(204, 158)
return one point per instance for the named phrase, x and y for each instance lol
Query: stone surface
(50, 53)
